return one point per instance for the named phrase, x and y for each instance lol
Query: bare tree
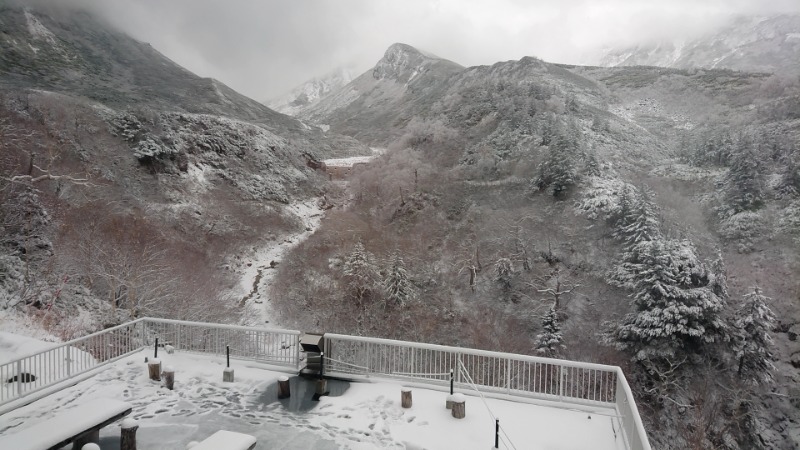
(556, 286)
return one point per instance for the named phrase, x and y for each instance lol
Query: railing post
(508, 376)
(297, 350)
(69, 360)
(459, 367)
(496, 433)
(561, 382)
(19, 378)
(178, 337)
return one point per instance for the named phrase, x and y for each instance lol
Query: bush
(742, 228)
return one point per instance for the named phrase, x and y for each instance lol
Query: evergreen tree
(591, 166)
(558, 171)
(676, 308)
(642, 222)
(790, 179)
(753, 344)
(550, 342)
(397, 284)
(548, 128)
(360, 272)
(743, 189)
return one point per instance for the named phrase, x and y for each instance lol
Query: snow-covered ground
(258, 271)
(353, 160)
(358, 416)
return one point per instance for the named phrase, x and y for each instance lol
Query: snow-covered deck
(355, 416)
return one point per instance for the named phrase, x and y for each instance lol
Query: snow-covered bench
(80, 425)
(226, 440)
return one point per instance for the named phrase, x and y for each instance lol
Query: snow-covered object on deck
(227, 440)
(68, 425)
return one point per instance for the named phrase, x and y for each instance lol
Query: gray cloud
(264, 47)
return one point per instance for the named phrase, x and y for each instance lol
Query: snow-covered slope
(754, 44)
(312, 91)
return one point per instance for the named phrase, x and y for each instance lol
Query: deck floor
(355, 415)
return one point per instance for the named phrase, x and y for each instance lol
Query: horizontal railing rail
(519, 375)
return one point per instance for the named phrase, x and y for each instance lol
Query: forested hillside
(130, 186)
(643, 217)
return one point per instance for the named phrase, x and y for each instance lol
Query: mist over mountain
(751, 44)
(311, 91)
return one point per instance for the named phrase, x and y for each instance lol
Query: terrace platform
(358, 415)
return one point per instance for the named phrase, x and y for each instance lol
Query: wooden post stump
(405, 397)
(227, 375)
(459, 410)
(128, 438)
(283, 387)
(154, 369)
(449, 402)
(169, 377)
(322, 386)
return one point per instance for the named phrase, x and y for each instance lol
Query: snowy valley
(621, 214)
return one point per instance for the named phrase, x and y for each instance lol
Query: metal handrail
(69, 360)
(538, 378)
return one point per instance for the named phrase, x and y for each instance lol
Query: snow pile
(14, 346)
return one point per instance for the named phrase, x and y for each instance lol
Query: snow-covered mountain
(312, 90)
(753, 44)
(404, 74)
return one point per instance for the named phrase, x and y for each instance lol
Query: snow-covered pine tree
(790, 178)
(744, 183)
(627, 200)
(753, 344)
(642, 222)
(397, 284)
(591, 166)
(360, 272)
(558, 171)
(676, 308)
(550, 341)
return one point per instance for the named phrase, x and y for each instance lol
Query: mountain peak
(402, 63)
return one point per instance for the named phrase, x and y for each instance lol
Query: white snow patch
(197, 175)
(38, 30)
(353, 160)
(14, 346)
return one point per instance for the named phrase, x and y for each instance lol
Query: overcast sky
(263, 48)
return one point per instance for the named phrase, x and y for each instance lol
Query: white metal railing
(505, 373)
(30, 374)
(24, 376)
(272, 346)
(569, 382)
